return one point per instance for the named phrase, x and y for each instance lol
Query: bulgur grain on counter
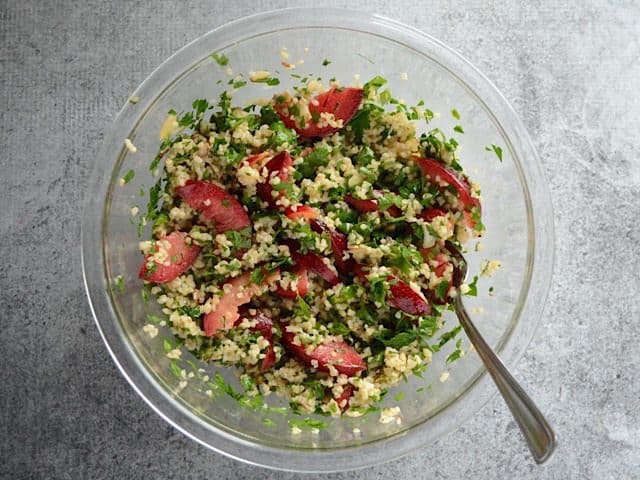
(305, 240)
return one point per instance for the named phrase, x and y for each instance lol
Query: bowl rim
(540, 234)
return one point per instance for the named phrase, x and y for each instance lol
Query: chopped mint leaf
(455, 114)
(325, 62)
(458, 128)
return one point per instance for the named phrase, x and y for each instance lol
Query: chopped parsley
(319, 157)
(307, 423)
(495, 149)
(473, 287)
(221, 60)
(272, 81)
(129, 176)
(118, 284)
(190, 311)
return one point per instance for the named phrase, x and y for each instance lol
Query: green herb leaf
(378, 290)
(240, 239)
(268, 115)
(200, 106)
(154, 198)
(308, 423)
(154, 318)
(190, 311)
(374, 84)
(325, 62)
(281, 135)
(473, 287)
(316, 388)
(495, 149)
(268, 80)
(457, 353)
(319, 157)
(400, 340)
(459, 129)
(118, 284)
(441, 289)
(446, 337)
(302, 308)
(257, 276)
(455, 114)
(268, 422)
(221, 60)
(339, 328)
(175, 369)
(129, 176)
(405, 258)
(359, 123)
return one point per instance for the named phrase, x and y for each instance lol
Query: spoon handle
(534, 427)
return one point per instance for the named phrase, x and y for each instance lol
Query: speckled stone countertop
(572, 71)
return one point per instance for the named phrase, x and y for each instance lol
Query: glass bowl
(516, 210)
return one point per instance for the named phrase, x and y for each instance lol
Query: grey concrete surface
(572, 71)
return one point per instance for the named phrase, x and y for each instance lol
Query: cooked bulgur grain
(306, 240)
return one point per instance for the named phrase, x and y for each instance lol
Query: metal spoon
(537, 432)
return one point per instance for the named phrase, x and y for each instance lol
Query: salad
(307, 240)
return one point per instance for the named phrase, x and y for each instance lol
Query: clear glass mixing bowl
(517, 213)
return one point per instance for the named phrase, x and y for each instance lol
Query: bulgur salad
(309, 240)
